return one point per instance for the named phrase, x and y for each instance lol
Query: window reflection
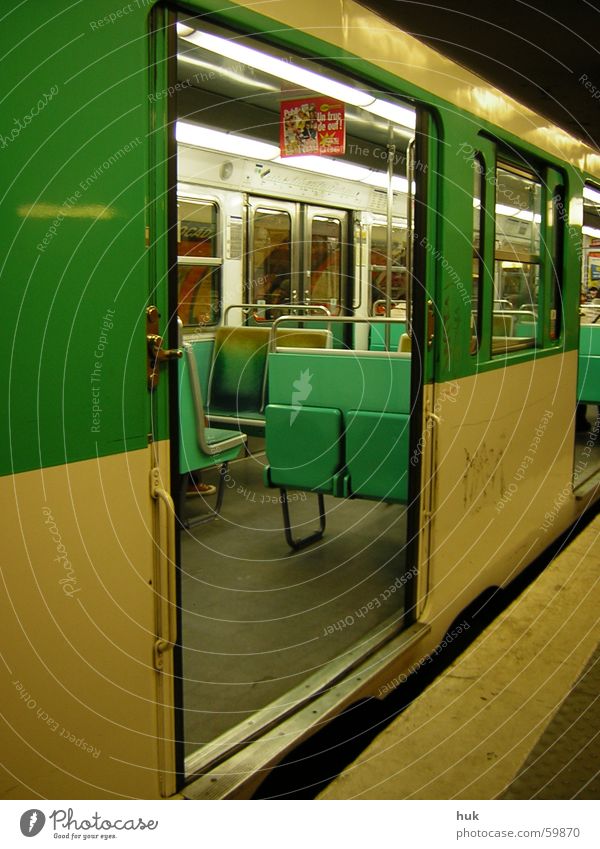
(198, 261)
(517, 261)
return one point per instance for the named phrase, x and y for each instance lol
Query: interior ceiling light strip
(591, 194)
(199, 136)
(300, 76)
(215, 140)
(225, 72)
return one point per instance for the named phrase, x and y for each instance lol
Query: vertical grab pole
(410, 176)
(391, 148)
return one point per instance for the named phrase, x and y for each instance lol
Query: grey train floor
(517, 715)
(259, 618)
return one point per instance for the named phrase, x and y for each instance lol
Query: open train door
(224, 652)
(422, 170)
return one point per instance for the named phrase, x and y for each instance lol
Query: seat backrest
(238, 371)
(302, 337)
(192, 452)
(345, 380)
(502, 325)
(200, 446)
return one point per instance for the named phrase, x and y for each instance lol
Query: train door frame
(163, 397)
(420, 370)
(253, 204)
(310, 213)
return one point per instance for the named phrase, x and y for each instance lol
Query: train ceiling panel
(223, 93)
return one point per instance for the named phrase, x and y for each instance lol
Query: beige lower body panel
(502, 477)
(83, 708)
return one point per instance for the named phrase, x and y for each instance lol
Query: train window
(590, 283)
(517, 260)
(478, 221)
(270, 257)
(557, 215)
(379, 268)
(198, 263)
(325, 268)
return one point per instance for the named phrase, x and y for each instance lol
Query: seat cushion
(304, 446)
(377, 455)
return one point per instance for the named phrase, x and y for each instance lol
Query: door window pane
(270, 258)
(518, 216)
(325, 280)
(557, 215)
(379, 266)
(198, 263)
(517, 261)
(478, 267)
(514, 322)
(198, 294)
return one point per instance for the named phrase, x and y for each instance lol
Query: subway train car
(285, 252)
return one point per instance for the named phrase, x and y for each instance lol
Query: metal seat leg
(297, 544)
(214, 512)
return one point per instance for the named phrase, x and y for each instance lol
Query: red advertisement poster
(315, 125)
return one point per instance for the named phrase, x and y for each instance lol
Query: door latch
(430, 324)
(156, 354)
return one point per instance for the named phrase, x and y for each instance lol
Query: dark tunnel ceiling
(535, 52)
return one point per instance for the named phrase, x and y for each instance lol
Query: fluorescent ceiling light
(302, 77)
(526, 215)
(330, 167)
(379, 179)
(392, 112)
(591, 231)
(183, 30)
(506, 210)
(591, 194)
(224, 72)
(199, 136)
(278, 68)
(215, 140)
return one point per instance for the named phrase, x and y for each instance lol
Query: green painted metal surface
(377, 455)
(344, 381)
(84, 224)
(588, 383)
(304, 446)
(75, 272)
(377, 336)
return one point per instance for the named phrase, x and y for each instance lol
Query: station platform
(517, 715)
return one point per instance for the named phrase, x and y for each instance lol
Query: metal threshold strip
(588, 487)
(237, 761)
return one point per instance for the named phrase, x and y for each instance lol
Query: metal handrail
(384, 301)
(334, 319)
(286, 307)
(520, 313)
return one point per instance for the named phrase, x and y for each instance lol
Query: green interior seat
(238, 372)
(376, 455)
(304, 447)
(588, 379)
(192, 430)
